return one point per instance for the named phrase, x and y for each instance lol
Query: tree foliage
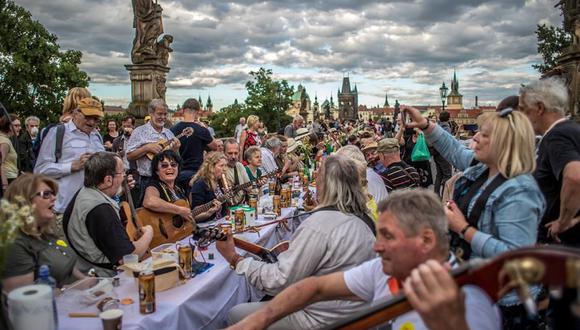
(268, 99)
(35, 74)
(225, 120)
(552, 41)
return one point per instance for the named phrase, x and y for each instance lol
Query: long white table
(201, 303)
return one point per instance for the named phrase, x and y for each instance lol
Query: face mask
(34, 132)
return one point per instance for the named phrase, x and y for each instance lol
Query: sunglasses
(45, 194)
(166, 165)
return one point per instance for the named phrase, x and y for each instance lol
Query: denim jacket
(512, 212)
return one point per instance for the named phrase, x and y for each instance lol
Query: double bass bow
(555, 266)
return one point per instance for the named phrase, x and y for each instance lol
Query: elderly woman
(36, 243)
(162, 191)
(206, 184)
(497, 204)
(338, 236)
(270, 150)
(250, 136)
(253, 157)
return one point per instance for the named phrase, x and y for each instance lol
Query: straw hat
(292, 145)
(370, 146)
(301, 133)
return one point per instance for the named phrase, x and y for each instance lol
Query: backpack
(58, 141)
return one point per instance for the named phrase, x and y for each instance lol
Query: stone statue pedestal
(569, 63)
(147, 83)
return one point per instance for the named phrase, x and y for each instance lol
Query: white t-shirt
(368, 282)
(376, 186)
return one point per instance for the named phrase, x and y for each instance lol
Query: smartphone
(403, 117)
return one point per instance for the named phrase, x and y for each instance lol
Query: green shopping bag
(420, 151)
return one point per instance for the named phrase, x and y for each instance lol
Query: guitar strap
(364, 217)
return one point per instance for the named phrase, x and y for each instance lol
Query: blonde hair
(207, 168)
(24, 188)
(252, 119)
(72, 99)
(512, 142)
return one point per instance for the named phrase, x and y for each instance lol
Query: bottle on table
(45, 278)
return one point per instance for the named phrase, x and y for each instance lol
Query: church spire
(386, 105)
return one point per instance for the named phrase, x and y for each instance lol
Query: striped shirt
(399, 175)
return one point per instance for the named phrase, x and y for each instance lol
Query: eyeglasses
(505, 113)
(166, 165)
(45, 194)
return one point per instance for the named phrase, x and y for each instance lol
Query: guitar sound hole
(177, 222)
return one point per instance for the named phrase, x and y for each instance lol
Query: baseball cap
(388, 145)
(90, 107)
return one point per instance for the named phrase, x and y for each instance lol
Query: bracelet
(464, 230)
(426, 126)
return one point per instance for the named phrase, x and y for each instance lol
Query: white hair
(552, 92)
(156, 103)
(31, 118)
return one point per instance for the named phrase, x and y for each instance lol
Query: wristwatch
(235, 260)
(464, 230)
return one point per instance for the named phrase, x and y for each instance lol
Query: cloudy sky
(401, 47)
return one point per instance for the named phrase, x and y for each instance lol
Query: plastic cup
(130, 259)
(112, 319)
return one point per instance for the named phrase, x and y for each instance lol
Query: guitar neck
(249, 247)
(131, 204)
(202, 209)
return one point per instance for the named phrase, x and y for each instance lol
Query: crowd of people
(381, 225)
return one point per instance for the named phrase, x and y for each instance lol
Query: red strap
(394, 285)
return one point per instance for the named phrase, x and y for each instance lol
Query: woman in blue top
(497, 205)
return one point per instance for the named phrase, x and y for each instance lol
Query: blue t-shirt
(192, 147)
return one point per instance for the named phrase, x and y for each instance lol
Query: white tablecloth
(201, 303)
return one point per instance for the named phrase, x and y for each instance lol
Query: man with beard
(235, 172)
(92, 223)
(145, 140)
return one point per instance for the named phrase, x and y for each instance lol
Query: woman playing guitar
(206, 183)
(161, 192)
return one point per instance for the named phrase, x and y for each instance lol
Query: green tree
(35, 74)
(225, 120)
(552, 41)
(268, 99)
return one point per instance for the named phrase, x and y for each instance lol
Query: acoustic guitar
(133, 226)
(167, 228)
(549, 265)
(167, 144)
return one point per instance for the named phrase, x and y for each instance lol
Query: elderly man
(412, 244)
(558, 163)
(290, 130)
(192, 147)
(145, 140)
(239, 129)
(91, 221)
(270, 150)
(79, 139)
(397, 173)
(235, 172)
